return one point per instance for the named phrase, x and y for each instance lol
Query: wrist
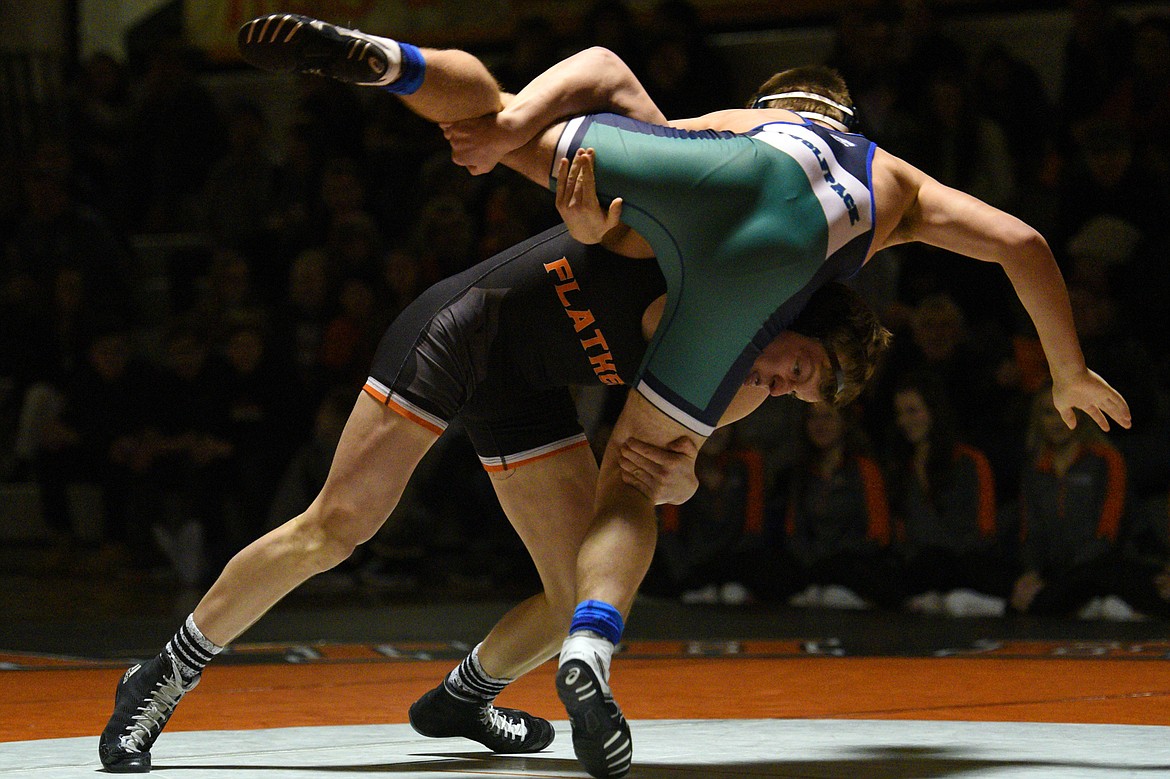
(515, 125)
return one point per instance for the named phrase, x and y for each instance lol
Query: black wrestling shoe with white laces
(442, 714)
(289, 43)
(145, 699)
(601, 735)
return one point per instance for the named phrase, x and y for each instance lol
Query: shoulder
(737, 120)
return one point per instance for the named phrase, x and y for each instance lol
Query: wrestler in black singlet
(501, 343)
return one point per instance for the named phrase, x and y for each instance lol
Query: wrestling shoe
(288, 43)
(442, 714)
(601, 735)
(144, 700)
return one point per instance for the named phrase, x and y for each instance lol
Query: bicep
(957, 222)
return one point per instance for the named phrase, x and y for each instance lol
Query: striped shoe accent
(601, 735)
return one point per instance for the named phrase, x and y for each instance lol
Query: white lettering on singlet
(845, 201)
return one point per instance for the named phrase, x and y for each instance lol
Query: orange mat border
(66, 703)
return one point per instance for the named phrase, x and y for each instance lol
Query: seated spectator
(831, 517)
(943, 498)
(1146, 553)
(239, 192)
(1105, 176)
(185, 452)
(971, 372)
(1140, 99)
(1072, 501)
(86, 434)
(259, 433)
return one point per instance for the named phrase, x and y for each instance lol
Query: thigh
(550, 504)
(375, 458)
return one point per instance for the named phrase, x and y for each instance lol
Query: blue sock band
(411, 71)
(600, 617)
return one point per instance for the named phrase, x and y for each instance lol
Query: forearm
(1040, 287)
(587, 82)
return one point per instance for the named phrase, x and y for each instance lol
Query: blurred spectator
(682, 73)
(1072, 501)
(354, 245)
(86, 433)
(97, 116)
(1095, 56)
(334, 112)
(831, 515)
(444, 237)
(924, 51)
(297, 192)
(1008, 91)
(401, 281)
(352, 335)
(1104, 178)
(175, 136)
(227, 297)
(1140, 99)
(396, 143)
(1146, 556)
(239, 192)
(977, 384)
(1117, 340)
(533, 47)
(942, 492)
(63, 266)
(299, 328)
(865, 54)
(611, 23)
(513, 211)
(957, 144)
(304, 475)
(185, 455)
(258, 434)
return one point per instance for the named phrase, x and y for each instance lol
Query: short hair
(815, 80)
(851, 332)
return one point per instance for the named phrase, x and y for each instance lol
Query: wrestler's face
(792, 364)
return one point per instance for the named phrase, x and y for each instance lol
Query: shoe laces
(151, 716)
(499, 722)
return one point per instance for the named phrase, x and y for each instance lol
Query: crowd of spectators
(945, 489)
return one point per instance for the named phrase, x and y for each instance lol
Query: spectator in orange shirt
(943, 498)
(1072, 501)
(833, 516)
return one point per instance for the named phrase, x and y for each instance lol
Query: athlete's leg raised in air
(454, 88)
(375, 457)
(442, 85)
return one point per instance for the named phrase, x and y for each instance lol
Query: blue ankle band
(411, 71)
(600, 617)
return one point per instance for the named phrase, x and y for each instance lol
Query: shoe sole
(602, 746)
(138, 764)
(288, 43)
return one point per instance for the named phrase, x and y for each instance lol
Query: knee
(327, 536)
